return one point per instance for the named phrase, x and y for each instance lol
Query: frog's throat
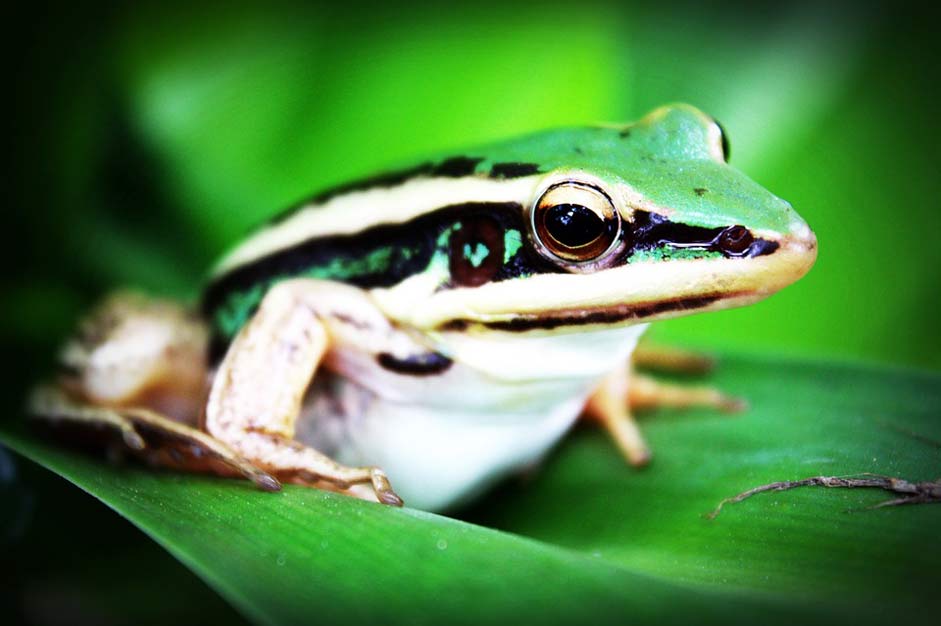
(638, 292)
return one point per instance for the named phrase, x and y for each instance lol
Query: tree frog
(441, 327)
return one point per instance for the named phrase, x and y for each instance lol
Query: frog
(443, 326)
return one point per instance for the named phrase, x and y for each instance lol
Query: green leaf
(587, 538)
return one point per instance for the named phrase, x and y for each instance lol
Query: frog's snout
(801, 235)
(800, 244)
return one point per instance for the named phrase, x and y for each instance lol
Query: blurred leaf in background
(189, 125)
(148, 138)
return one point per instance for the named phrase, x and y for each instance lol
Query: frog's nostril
(735, 240)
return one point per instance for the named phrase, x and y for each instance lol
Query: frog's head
(540, 240)
(616, 226)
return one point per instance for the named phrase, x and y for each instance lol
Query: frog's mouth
(633, 293)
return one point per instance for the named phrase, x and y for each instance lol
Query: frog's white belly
(444, 439)
(436, 460)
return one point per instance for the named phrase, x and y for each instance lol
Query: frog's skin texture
(447, 323)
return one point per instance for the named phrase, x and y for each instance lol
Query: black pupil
(573, 225)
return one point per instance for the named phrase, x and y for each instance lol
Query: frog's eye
(575, 222)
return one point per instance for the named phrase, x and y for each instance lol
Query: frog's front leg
(648, 392)
(624, 391)
(259, 387)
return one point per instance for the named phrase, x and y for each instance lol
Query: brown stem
(912, 493)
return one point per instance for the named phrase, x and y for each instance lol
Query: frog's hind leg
(158, 440)
(133, 350)
(258, 388)
(670, 359)
(134, 380)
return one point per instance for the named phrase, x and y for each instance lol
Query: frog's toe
(365, 483)
(383, 489)
(54, 406)
(648, 393)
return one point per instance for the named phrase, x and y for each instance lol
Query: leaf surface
(585, 537)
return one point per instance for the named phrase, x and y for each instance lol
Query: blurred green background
(150, 139)
(146, 140)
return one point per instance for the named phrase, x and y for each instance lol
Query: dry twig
(909, 492)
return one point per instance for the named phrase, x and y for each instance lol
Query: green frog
(441, 327)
